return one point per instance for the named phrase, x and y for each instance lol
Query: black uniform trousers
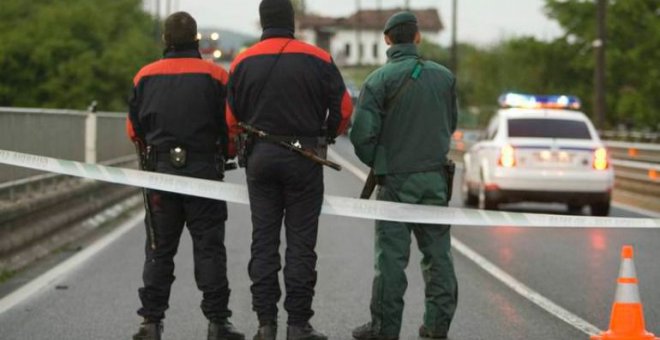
(205, 219)
(283, 185)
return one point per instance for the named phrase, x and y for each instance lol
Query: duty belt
(178, 156)
(298, 142)
(192, 157)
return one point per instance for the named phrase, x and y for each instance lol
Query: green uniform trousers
(392, 251)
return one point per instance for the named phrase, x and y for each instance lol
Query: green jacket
(412, 133)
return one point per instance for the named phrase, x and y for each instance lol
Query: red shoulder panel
(274, 46)
(182, 66)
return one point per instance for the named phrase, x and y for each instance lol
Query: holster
(244, 144)
(450, 170)
(321, 148)
(220, 165)
(148, 160)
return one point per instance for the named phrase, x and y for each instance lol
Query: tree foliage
(632, 53)
(566, 64)
(64, 54)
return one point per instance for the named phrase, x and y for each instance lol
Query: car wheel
(469, 199)
(575, 209)
(600, 209)
(485, 202)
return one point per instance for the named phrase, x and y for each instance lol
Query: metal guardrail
(66, 134)
(637, 170)
(640, 152)
(631, 136)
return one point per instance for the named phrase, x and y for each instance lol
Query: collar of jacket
(402, 51)
(190, 50)
(276, 33)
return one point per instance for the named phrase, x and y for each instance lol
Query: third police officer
(403, 124)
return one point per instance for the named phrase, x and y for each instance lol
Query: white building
(358, 39)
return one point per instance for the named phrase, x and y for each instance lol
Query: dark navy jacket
(180, 101)
(298, 96)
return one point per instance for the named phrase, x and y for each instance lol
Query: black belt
(307, 141)
(165, 149)
(163, 156)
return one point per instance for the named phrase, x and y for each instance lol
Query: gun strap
(414, 75)
(268, 76)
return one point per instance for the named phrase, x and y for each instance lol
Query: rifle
(143, 160)
(369, 185)
(293, 147)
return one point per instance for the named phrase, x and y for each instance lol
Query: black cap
(277, 14)
(180, 28)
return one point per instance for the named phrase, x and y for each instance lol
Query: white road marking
(52, 276)
(347, 165)
(524, 290)
(499, 274)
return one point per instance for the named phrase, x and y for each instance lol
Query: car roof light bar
(531, 101)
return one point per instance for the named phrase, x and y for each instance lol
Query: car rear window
(548, 128)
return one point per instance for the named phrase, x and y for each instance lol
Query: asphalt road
(576, 269)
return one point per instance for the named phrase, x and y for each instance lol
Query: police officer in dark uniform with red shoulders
(177, 115)
(293, 92)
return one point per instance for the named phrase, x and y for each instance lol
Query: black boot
(223, 330)
(149, 330)
(267, 331)
(305, 332)
(367, 332)
(427, 334)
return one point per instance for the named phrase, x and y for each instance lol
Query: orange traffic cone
(627, 320)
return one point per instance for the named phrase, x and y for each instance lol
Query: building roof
(373, 19)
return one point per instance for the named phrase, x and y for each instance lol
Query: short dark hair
(403, 34)
(180, 28)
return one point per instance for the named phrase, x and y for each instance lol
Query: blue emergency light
(531, 101)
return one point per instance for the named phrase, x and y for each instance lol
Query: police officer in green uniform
(404, 120)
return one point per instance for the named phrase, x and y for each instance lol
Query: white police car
(539, 149)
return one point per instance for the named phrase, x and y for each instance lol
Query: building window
(361, 50)
(375, 51)
(347, 50)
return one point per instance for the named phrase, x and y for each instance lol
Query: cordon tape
(332, 205)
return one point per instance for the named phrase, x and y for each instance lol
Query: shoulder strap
(270, 72)
(414, 75)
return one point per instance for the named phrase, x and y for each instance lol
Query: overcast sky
(479, 21)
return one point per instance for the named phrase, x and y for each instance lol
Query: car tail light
(507, 156)
(600, 159)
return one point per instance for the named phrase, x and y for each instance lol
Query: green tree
(566, 64)
(632, 50)
(66, 54)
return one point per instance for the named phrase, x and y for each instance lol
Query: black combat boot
(267, 331)
(223, 330)
(149, 330)
(305, 332)
(367, 332)
(427, 334)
